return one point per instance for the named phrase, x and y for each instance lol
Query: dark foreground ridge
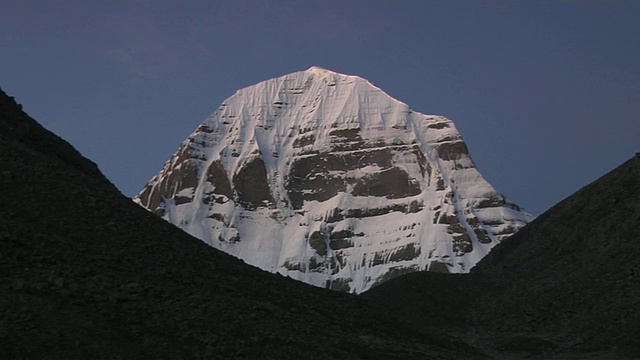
(85, 273)
(566, 286)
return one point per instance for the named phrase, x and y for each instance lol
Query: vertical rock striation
(325, 178)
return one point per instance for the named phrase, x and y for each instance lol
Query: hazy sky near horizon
(546, 94)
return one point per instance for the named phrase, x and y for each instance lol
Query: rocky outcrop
(325, 178)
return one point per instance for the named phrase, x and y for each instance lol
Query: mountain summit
(325, 178)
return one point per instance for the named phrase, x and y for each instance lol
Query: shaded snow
(268, 118)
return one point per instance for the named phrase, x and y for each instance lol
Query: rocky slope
(576, 270)
(564, 287)
(324, 178)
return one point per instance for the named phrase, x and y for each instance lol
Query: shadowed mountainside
(86, 273)
(575, 272)
(565, 285)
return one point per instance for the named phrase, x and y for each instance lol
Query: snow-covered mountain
(325, 178)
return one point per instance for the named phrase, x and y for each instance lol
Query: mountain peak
(329, 180)
(318, 69)
(317, 72)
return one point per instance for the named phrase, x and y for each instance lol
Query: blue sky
(546, 94)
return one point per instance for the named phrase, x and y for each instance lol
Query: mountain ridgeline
(567, 282)
(324, 178)
(86, 273)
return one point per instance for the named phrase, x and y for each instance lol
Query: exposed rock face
(325, 178)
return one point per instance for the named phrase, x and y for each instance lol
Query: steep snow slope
(325, 178)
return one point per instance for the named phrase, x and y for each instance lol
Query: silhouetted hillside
(86, 273)
(565, 286)
(575, 271)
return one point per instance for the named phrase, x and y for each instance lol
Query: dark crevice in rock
(317, 242)
(393, 183)
(252, 186)
(217, 176)
(452, 150)
(302, 141)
